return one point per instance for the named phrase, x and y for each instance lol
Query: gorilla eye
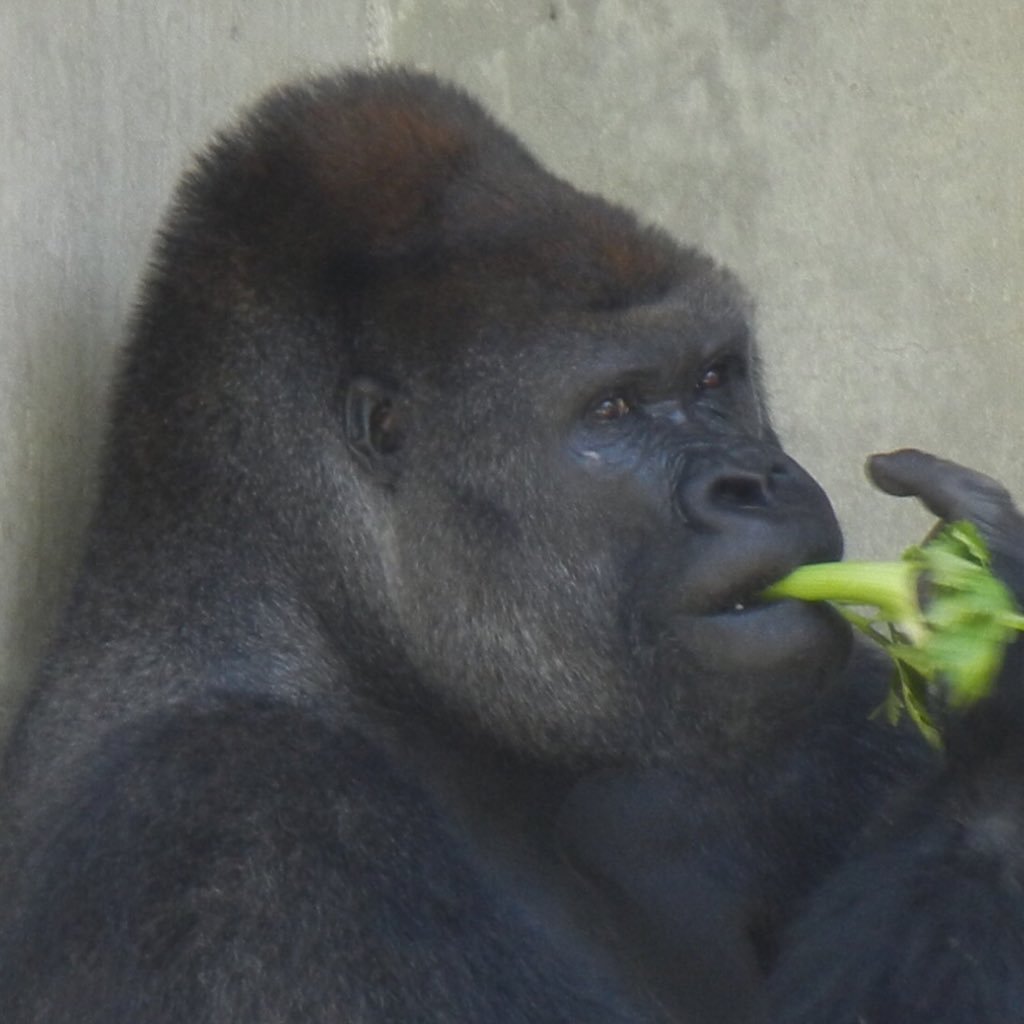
(714, 377)
(614, 407)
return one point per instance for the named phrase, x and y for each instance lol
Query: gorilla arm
(296, 876)
(928, 921)
(708, 869)
(923, 924)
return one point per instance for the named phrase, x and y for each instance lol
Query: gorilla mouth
(742, 632)
(737, 610)
(729, 579)
(754, 608)
(749, 598)
(745, 598)
(751, 605)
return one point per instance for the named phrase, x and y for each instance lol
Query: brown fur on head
(369, 175)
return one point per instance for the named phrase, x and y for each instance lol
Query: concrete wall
(860, 163)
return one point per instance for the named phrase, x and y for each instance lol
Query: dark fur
(399, 682)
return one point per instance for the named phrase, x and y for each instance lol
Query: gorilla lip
(749, 598)
(746, 606)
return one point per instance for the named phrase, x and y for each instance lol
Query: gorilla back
(435, 504)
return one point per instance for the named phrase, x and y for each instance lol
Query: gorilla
(415, 670)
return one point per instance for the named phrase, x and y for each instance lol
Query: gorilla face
(549, 494)
(585, 506)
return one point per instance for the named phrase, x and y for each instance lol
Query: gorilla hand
(953, 492)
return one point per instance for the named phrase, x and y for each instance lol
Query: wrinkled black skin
(402, 680)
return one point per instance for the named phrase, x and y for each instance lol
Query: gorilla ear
(371, 422)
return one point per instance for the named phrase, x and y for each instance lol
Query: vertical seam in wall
(377, 18)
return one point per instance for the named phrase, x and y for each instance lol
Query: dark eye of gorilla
(716, 377)
(611, 408)
(712, 379)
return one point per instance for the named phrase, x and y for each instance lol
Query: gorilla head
(503, 446)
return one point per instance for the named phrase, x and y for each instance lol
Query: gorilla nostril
(742, 490)
(743, 482)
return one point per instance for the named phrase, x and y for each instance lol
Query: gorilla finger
(947, 489)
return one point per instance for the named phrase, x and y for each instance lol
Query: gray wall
(860, 163)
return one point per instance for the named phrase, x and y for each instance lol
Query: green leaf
(947, 652)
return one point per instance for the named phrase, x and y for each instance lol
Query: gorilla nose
(713, 490)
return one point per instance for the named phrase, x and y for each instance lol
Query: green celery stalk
(949, 648)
